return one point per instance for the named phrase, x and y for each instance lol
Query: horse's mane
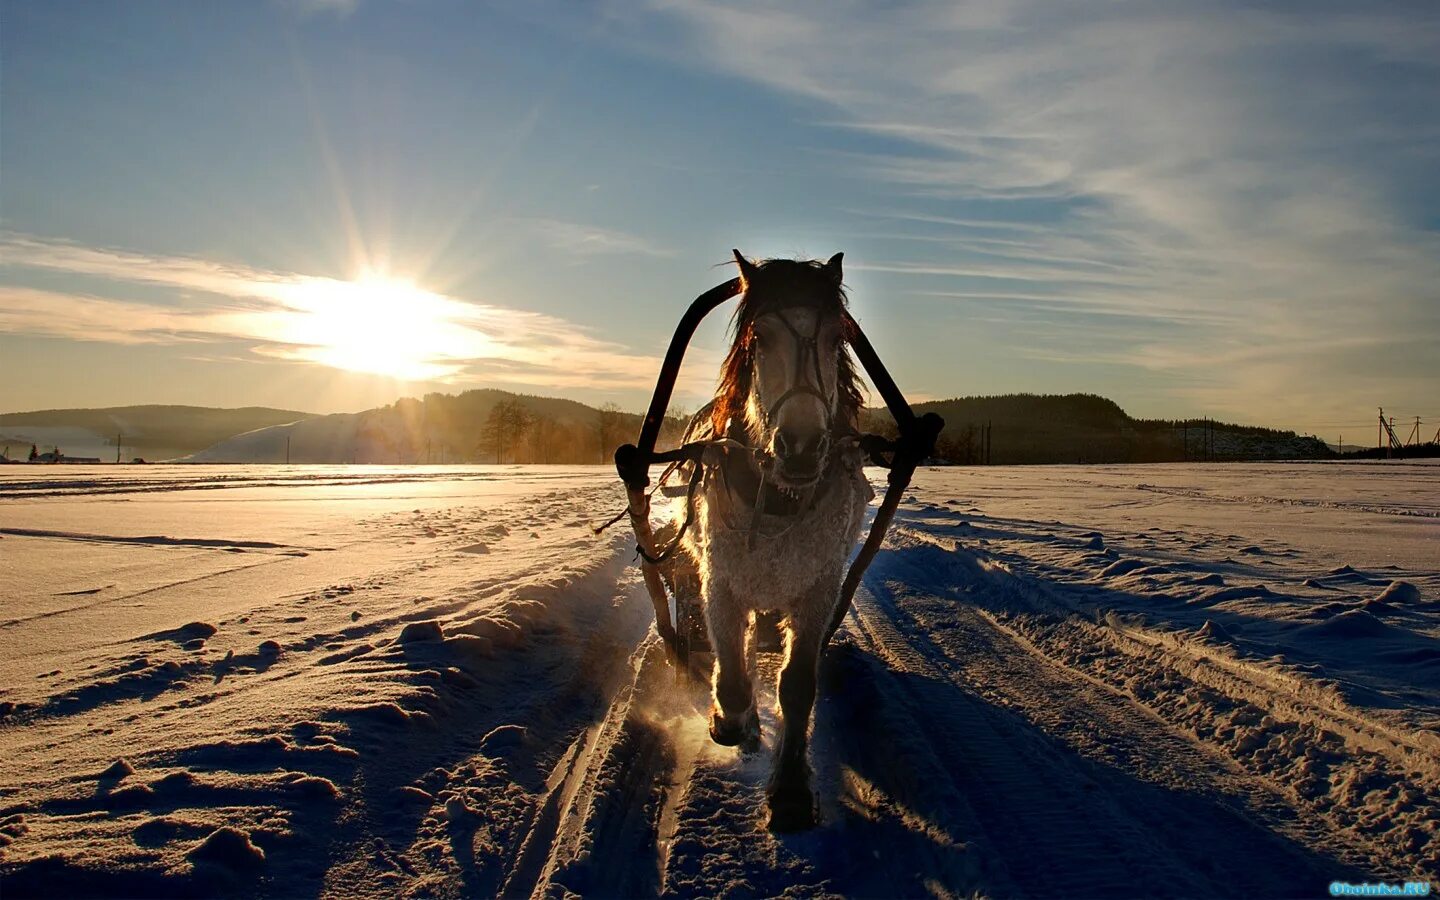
(776, 284)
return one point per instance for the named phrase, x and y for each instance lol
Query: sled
(670, 577)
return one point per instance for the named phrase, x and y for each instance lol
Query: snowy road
(1081, 681)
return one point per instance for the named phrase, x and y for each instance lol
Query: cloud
(588, 240)
(1250, 168)
(375, 325)
(340, 8)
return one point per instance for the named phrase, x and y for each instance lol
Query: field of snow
(1172, 680)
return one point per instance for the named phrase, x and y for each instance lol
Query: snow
(370, 681)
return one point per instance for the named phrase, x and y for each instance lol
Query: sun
(381, 326)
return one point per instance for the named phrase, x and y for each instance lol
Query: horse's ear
(832, 268)
(747, 268)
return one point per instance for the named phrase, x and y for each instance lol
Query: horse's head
(789, 377)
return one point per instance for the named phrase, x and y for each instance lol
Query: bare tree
(505, 427)
(545, 434)
(609, 429)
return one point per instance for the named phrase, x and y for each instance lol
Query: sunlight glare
(381, 326)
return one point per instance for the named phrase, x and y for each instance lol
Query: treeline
(1015, 429)
(1409, 451)
(491, 426)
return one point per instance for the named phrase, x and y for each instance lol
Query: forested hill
(1085, 428)
(479, 426)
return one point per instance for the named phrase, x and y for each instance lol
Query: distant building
(58, 456)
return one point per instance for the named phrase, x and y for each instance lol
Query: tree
(609, 430)
(545, 437)
(504, 427)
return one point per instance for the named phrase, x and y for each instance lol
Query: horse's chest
(789, 559)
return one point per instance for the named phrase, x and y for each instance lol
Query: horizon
(872, 404)
(1225, 213)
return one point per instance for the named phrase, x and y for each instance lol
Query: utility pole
(120, 435)
(287, 449)
(1387, 428)
(1414, 437)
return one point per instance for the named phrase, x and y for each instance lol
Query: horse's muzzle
(800, 462)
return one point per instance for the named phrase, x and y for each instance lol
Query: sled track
(950, 760)
(1335, 777)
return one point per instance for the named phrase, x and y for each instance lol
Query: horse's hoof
(741, 731)
(792, 811)
(726, 734)
(744, 734)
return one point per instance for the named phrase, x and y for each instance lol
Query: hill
(152, 432)
(1085, 428)
(444, 428)
(468, 428)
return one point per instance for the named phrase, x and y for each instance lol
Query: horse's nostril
(813, 448)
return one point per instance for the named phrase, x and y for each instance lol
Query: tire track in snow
(1027, 795)
(1140, 812)
(1336, 777)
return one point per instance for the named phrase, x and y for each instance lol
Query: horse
(779, 514)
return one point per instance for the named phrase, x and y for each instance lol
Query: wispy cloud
(1247, 167)
(305, 318)
(316, 7)
(589, 240)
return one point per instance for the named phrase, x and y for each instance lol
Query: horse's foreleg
(733, 719)
(792, 804)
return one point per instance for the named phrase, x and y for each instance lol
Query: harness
(633, 461)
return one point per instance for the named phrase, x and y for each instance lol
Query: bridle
(806, 347)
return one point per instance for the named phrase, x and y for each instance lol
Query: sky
(1207, 209)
